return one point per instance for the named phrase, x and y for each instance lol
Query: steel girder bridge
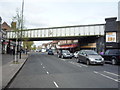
(59, 33)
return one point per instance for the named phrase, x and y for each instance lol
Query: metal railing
(66, 31)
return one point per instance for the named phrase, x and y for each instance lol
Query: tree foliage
(18, 19)
(34, 47)
(28, 45)
(16, 25)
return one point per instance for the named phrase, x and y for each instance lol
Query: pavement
(10, 69)
(49, 71)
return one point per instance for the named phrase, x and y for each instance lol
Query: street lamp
(0, 23)
(21, 27)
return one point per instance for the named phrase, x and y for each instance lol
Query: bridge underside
(58, 38)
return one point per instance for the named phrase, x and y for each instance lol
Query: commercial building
(0, 36)
(71, 45)
(7, 45)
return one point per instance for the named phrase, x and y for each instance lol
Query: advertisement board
(111, 37)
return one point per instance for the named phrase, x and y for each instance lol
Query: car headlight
(91, 59)
(102, 59)
(65, 54)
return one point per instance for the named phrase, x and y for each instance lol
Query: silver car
(90, 57)
(64, 54)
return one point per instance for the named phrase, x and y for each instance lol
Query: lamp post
(0, 36)
(0, 23)
(21, 27)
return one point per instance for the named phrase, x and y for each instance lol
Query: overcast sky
(52, 13)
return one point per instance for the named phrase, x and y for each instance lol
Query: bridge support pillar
(112, 33)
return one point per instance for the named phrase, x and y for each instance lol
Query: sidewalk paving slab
(10, 70)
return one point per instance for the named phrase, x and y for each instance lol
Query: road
(49, 71)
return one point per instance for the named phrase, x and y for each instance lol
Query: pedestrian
(101, 53)
(26, 51)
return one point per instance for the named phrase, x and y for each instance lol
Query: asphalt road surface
(49, 71)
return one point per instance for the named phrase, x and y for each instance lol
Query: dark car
(64, 54)
(112, 55)
(90, 57)
(50, 52)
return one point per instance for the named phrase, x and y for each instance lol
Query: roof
(5, 26)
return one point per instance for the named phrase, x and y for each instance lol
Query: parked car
(64, 54)
(50, 52)
(90, 57)
(36, 50)
(76, 54)
(39, 50)
(112, 55)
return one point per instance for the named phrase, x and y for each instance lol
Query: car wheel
(88, 62)
(114, 61)
(78, 60)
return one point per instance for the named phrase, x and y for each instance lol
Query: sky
(52, 13)
(119, 11)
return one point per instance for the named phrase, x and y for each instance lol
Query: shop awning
(5, 42)
(68, 46)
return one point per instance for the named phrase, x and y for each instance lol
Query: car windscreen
(65, 51)
(50, 50)
(114, 51)
(90, 52)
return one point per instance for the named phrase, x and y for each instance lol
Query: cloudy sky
(52, 13)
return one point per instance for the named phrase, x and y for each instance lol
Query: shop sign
(111, 37)
(5, 42)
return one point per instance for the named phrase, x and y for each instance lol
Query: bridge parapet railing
(80, 30)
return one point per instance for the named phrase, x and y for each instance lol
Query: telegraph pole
(0, 23)
(21, 27)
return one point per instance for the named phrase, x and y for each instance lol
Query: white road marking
(106, 76)
(55, 84)
(78, 65)
(47, 72)
(95, 72)
(84, 65)
(75, 64)
(63, 59)
(43, 67)
(41, 64)
(111, 73)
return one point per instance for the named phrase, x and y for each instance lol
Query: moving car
(64, 54)
(50, 52)
(76, 54)
(112, 55)
(90, 57)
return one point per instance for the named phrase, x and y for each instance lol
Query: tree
(34, 47)
(17, 25)
(28, 44)
(18, 19)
